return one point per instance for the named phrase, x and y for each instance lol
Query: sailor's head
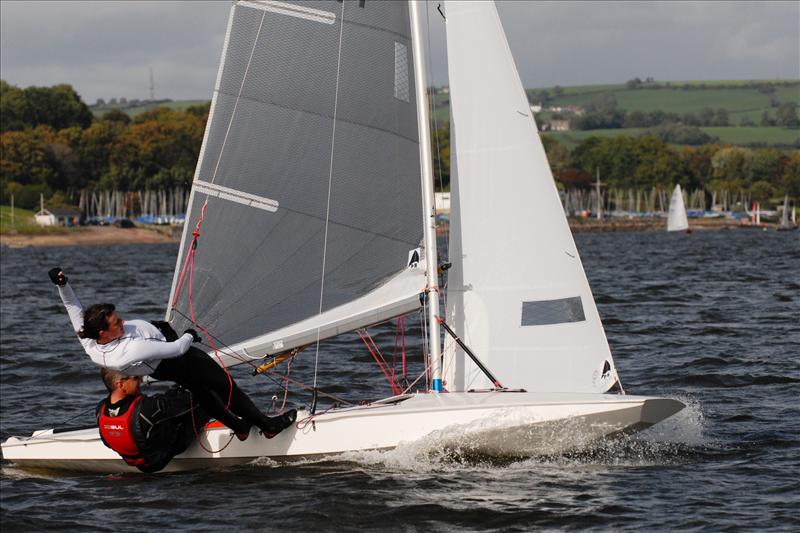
(114, 380)
(101, 323)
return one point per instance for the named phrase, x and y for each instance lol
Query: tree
(766, 120)
(96, 145)
(706, 116)
(690, 119)
(158, 150)
(720, 117)
(731, 163)
(786, 116)
(59, 107)
(790, 180)
(200, 111)
(635, 83)
(636, 119)
(697, 162)
(766, 165)
(761, 191)
(25, 159)
(12, 108)
(440, 148)
(557, 156)
(115, 115)
(679, 134)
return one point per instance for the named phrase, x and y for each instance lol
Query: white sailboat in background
(785, 224)
(312, 198)
(677, 219)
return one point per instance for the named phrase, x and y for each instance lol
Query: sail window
(401, 72)
(546, 312)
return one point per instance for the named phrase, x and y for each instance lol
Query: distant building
(58, 217)
(442, 201)
(556, 125)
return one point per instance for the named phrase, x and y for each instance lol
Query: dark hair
(95, 320)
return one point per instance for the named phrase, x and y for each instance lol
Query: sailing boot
(276, 424)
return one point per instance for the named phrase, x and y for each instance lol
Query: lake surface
(712, 319)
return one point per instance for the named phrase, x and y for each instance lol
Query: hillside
(745, 103)
(134, 108)
(740, 98)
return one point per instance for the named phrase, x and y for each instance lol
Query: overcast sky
(106, 49)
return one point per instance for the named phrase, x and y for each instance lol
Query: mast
(429, 216)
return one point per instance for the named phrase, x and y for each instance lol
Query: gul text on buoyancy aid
(117, 433)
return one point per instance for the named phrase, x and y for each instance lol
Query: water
(711, 319)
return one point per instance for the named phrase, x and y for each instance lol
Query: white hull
(504, 424)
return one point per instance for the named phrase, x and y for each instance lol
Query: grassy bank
(23, 222)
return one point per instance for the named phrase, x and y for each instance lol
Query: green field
(755, 136)
(733, 95)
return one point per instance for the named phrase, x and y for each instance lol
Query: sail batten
(294, 212)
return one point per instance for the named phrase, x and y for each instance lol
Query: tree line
(602, 113)
(51, 144)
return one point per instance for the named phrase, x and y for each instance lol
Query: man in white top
(140, 348)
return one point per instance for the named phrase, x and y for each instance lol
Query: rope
(197, 433)
(188, 266)
(382, 364)
(330, 183)
(433, 106)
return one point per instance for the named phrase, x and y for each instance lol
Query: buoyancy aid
(118, 432)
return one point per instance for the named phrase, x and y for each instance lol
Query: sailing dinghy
(785, 224)
(677, 219)
(312, 207)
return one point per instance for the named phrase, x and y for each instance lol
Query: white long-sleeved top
(136, 353)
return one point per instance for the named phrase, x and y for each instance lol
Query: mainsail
(308, 182)
(676, 220)
(517, 292)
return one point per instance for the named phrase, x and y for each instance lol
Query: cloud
(106, 48)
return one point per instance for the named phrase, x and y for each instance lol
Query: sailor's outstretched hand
(57, 276)
(195, 336)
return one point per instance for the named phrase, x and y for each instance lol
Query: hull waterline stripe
(226, 193)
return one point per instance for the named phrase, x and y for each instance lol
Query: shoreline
(90, 236)
(110, 235)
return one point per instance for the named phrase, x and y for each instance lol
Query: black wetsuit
(161, 426)
(210, 386)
